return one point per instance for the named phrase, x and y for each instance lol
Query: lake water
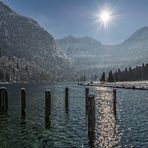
(69, 129)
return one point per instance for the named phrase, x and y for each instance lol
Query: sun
(105, 17)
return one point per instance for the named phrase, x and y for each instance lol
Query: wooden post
(47, 108)
(3, 99)
(91, 116)
(47, 102)
(0, 99)
(66, 98)
(6, 99)
(86, 98)
(114, 102)
(23, 102)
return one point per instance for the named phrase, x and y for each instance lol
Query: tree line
(128, 74)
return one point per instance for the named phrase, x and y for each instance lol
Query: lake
(69, 129)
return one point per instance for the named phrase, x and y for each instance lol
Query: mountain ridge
(131, 52)
(140, 30)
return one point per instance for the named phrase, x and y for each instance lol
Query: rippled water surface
(69, 129)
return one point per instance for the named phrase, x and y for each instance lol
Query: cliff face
(23, 40)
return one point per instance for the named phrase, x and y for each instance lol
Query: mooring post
(47, 108)
(86, 98)
(91, 116)
(47, 102)
(6, 99)
(23, 102)
(66, 98)
(3, 99)
(114, 102)
(0, 99)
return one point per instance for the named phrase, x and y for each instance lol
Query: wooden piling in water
(86, 98)
(6, 99)
(3, 99)
(114, 102)
(47, 102)
(91, 116)
(23, 102)
(0, 98)
(47, 108)
(66, 98)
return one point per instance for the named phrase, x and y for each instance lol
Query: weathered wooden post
(91, 117)
(6, 99)
(114, 102)
(66, 98)
(3, 99)
(47, 108)
(0, 98)
(23, 102)
(47, 102)
(86, 98)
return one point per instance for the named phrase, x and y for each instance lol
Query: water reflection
(3, 128)
(91, 136)
(70, 129)
(66, 109)
(106, 125)
(47, 122)
(4, 118)
(23, 121)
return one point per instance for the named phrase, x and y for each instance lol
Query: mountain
(93, 57)
(141, 35)
(79, 46)
(135, 48)
(24, 43)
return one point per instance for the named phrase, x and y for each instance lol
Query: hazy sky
(76, 17)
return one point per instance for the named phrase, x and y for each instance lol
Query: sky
(78, 17)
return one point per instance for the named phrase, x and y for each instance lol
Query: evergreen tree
(102, 79)
(1, 75)
(95, 77)
(110, 77)
(7, 77)
(130, 74)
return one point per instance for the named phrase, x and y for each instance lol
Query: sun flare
(105, 17)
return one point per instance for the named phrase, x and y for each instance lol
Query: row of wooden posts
(89, 99)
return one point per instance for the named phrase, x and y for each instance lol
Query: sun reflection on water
(106, 126)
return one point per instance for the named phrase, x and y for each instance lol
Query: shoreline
(134, 85)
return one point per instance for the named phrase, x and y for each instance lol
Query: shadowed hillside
(24, 42)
